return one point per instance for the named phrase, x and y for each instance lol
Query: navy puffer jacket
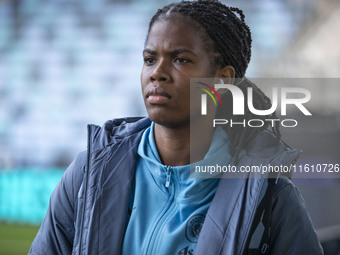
(88, 209)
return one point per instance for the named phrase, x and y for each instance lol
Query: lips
(157, 96)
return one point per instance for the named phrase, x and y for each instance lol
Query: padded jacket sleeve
(292, 231)
(56, 232)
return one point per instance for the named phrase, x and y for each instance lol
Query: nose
(160, 73)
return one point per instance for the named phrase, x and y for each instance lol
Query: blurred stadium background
(67, 63)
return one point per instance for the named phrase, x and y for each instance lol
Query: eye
(149, 60)
(182, 60)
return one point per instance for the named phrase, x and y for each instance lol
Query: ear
(227, 73)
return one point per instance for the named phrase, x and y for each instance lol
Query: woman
(130, 192)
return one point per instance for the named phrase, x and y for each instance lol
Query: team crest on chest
(193, 227)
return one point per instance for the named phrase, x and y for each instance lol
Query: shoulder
(265, 145)
(285, 193)
(287, 198)
(112, 132)
(115, 130)
(263, 151)
(284, 186)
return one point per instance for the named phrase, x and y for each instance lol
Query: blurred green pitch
(16, 239)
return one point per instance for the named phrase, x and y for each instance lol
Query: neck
(175, 147)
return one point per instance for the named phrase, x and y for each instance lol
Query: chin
(168, 121)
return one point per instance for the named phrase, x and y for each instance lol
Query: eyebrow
(173, 52)
(149, 51)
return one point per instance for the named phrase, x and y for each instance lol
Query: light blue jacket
(88, 210)
(168, 207)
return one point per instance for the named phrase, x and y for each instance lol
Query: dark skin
(174, 53)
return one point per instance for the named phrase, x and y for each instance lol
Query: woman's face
(174, 53)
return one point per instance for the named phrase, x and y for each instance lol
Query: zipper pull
(168, 177)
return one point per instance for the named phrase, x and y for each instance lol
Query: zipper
(168, 176)
(85, 186)
(169, 209)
